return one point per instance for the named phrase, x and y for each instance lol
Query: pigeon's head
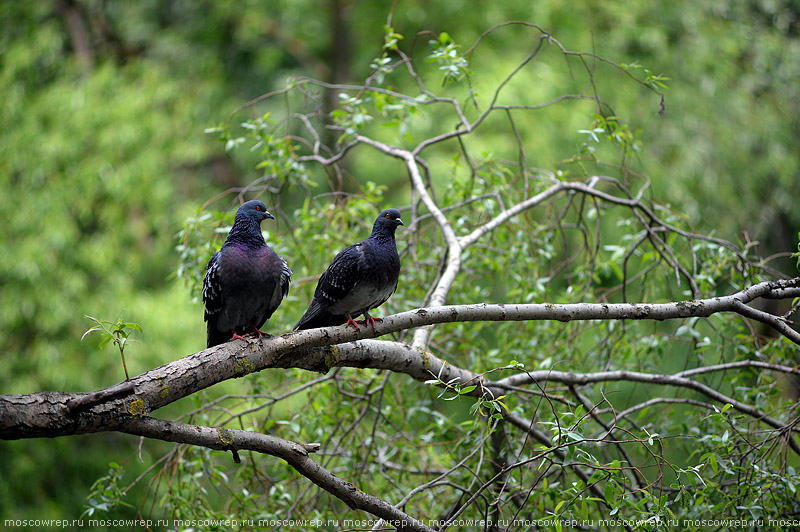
(388, 219)
(254, 210)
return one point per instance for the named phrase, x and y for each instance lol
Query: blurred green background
(103, 156)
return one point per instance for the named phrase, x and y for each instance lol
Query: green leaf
(93, 329)
(104, 342)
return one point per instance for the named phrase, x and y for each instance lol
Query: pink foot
(258, 333)
(236, 337)
(369, 320)
(350, 320)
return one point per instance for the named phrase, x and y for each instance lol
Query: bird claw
(237, 337)
(351, 320)
(369, 320)
(260, 334)
(256, 333)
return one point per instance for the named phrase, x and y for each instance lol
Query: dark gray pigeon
(245, 280)
(360, 278)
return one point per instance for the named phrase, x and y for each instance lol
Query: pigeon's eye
(258, 207)
(388, 215)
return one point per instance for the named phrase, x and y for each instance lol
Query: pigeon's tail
(215, 337)
(320, 319)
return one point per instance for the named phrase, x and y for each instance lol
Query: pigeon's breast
(377, 281)
(363, 294)
(249, 286)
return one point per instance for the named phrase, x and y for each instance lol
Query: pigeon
(245, 280)
(360, 278)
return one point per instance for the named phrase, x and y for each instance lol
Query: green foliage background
(102, 164)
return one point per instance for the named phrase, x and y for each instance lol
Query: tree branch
(293, 453)
(454, 248)
(126, 407)
(635, 376)
(48, 414)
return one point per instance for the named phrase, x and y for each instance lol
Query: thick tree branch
(126, 407)
(48, 414)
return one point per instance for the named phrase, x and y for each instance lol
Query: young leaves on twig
(117, 332)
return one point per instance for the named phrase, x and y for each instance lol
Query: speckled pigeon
(245, 280)
(360, 278)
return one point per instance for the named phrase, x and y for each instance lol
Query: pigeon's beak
(400, 221)
(268, 215)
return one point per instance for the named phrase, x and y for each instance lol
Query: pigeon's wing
(276, 287)
(386, 297)
(212, 287)
(213, 302)
(335, 284)
(383, 273)
(286, 278)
